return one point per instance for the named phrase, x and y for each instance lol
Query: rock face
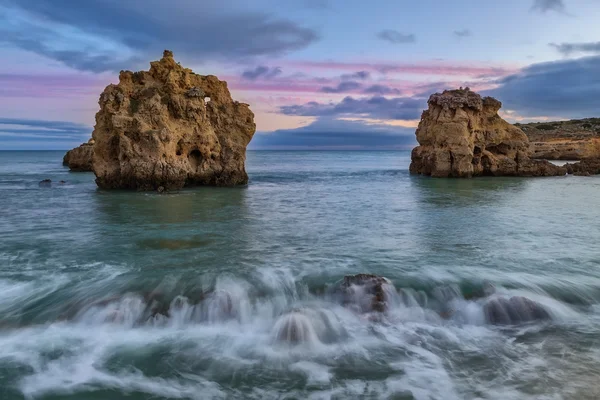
(170, 127)
(462, 135)
(576, 139)
(80, 158)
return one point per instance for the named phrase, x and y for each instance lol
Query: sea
(186, 295)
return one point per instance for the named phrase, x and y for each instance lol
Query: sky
(318, 74)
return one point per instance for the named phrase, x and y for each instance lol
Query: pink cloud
(429, 68)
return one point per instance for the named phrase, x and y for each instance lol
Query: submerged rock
(45, 183)
(514, 311)
(170, 127)
(462, 135)
(79, 159)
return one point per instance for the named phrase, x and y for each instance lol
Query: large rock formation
(169, 128)
(462, 135)
(79, 159)
(576, 139)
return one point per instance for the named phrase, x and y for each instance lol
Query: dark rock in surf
(514, 311)
(366, 292)
(45, 183)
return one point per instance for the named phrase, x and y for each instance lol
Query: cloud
(342, 87)
(566, 89)
(544, 6)
(377, 107)
(362, 75)
(396, 37)
(568, 48)
(17, 133)
(462, 33)
(112, 34)
(262, 72)
(381, 90)
(429, 68)
(330, 133)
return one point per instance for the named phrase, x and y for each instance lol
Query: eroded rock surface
(462, 135)
(169, 127)
(79, 159)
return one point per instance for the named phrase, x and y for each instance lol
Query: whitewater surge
(222, 337)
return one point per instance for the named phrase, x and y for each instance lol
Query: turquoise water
(79, 268)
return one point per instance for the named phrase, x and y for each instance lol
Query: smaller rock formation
(45, 183)
(169, 127)
(79, 159)
(461, 135)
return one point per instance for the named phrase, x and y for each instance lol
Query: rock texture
(170, 127)
(576, 139)
(462, 135)
(80, 158)
(587, 167)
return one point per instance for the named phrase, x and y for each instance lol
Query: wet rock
(170, 127)
(79, 159)
(45, 183)
(585, 167)
(160, 189)
(308, 325)
(461, 135)
(514, 311)
(366, 292)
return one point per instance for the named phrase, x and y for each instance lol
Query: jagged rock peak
(170, 127)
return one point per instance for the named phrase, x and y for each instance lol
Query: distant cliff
(564, 140)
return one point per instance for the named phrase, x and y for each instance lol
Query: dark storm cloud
(262, 72)
(569, 48)
(569, 88)
(129, 31)
(399, 108)
(548, 5)
(396, 37)
(381, 90)
(342, 87)
(328, 133)
(462, 33)
(361, 75)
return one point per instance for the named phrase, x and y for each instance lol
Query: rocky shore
(564, 140)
